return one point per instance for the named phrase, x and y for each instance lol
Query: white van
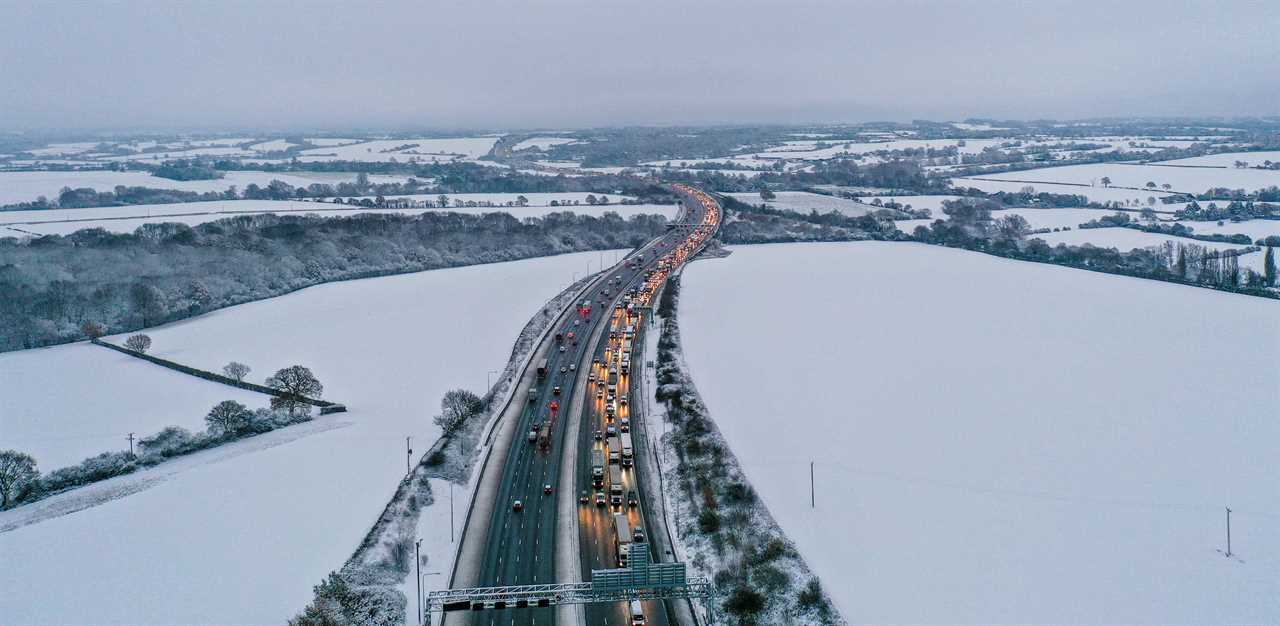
(637, 613)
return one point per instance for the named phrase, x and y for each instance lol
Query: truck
(627, 453)
(544, 436)
(542, 369)
(613, 375)
(615, 485)
(597, 467)
(621, 537)
(615, 450)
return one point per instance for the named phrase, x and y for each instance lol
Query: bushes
(745, 603)
(708, 521)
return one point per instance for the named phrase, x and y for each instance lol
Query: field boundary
(325, 406)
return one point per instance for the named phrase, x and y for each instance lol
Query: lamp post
(488, 381)
(417, 569)
(408, 454)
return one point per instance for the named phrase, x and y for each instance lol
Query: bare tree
(138, 343)
(456, 407)
(296, 384)
(1106, 181)
(92, 330)
(236, 370)
(17, 474)
(227, 417)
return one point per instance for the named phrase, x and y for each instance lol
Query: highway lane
(520, 546)
(597, 531)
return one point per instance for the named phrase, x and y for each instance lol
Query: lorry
(627, 453)
(615, 450)
(544, 436)
(621, 537)
(542, 369)
(615, 485)
(597, 467)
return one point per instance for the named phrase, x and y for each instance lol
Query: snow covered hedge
(728, 532)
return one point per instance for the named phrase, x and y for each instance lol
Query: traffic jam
(613, 492)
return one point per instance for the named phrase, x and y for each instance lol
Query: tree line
(54, 287)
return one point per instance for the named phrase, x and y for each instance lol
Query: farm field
(804, 202)
(1097, 193)
(948, 471)
(1228, 159)
(27, 186)
(126, 219)
(100, 396)
(273, 522)
(1126, 239)
(468, 148)
(1056, 218)
(1183, 179)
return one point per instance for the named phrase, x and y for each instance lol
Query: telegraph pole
(130, 444)
(417, 572)
(451, 511)
(1228, 531)
(408, 454)
(813, 502)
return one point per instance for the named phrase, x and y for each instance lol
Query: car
(583, 498)
(623, 400)
(517, 506)
(573, 367)
(637, 534)
(575, 322)
(626, 427)
(546, 489)
(595, 361)
(599, 394)
(632, 499)
(610, 431)
(562, 348)
(563, 369)
(598, 436)
(555, 390)
(591, 377)
(600, 501)
(611, 397)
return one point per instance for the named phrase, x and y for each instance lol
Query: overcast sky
(577, 63)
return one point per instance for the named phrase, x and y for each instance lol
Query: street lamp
(420, 576)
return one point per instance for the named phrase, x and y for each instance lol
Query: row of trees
(57, 288)
(21, 481)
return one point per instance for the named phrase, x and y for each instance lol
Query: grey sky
(456, 64)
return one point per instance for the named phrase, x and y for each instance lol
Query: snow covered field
(1057, 218)
(1125, 239)
(542, 143)
(387, 149)
(243, 540)
(804, 202)
(1183, 179)
(1228, 159)
(126, 219)
(1255, 229)
(1025, 444)
(27, 186)
(1094, 194)
(63, 404)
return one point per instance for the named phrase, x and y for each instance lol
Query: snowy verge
(722, 528)
(373, 586)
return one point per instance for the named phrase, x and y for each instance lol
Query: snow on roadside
(1055, 435)
(263, 528)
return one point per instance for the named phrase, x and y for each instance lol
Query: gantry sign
(642, 580)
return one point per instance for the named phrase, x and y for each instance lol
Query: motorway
(519, 546)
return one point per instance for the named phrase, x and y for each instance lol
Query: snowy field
(933, 203)
(27, 186)
(1027, 447)
(388, 149)
(1126, 239)
(126, 219)
(262, 528)
(1011, 182)
(63, 404)
(1057, 218)
(1184, 179)
(804, 202)
(1228, 159)
(1255, 229)
(542, 143)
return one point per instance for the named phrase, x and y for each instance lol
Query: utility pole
(417, 572)
(130, 444)
(488, 380)
(451, 511)
(408, 454)
(813, 503)
(1228, 531)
